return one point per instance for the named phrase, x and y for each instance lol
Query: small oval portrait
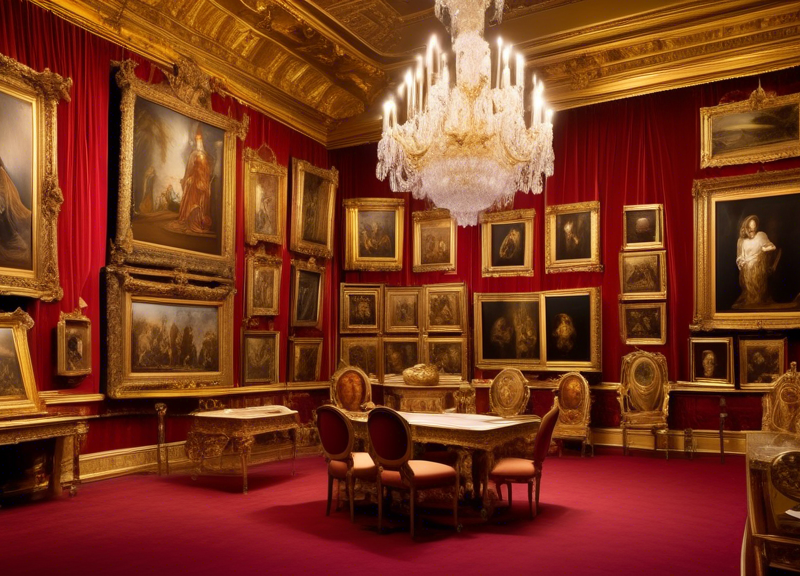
(571, 394)
(350, 390)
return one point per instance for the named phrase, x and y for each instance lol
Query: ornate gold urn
(421, 375)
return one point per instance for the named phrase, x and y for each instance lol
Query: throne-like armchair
(644, 397)
(782, 404)
(575, 403)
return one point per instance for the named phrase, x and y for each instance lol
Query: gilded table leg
(293, 432)
(80, 437)
(161, 410)
(244, 446)
(55, 477)
(488, 463)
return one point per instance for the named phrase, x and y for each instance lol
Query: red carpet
(606, 515)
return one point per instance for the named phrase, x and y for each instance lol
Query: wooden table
(213, 431)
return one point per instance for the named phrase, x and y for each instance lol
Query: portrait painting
(308, 282)
(449, 355)
(643, 324)
(572, 328)
(374, 233)
(361, 308)
(313, 204)
(18, 394)
(305, 359)
(74, 345)
(643, 275)
(711, 361)
(363, 353)
(445, 307)
(399, 354)
(435, 241)
(260, 357)
(264, 197)
(402, 310)
(262, 284)
(350, 389)
(507, 331)
(643, 227)
(507, 243)
(761, 361)
(572, 238)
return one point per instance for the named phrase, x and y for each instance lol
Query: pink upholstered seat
(363, 467)
(426, 475)
(520, 468)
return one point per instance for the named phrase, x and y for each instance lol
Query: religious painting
(166, 337)
(177, 180)
(398, 354)
(445, 307)
(403, 306)
(572, 327)
(361, 308)
(265, 191)
(374, 234)
(508, 331)
(435, 241)
(305, 359)
(760, 129)
(260, 357)
(643, 324)
(313, 206)
(308, 286)
(74, 344)
(449, 355)
(262, 284)
(643, 275)
(507, 243)
(572, 238)
(350, 389)
(643, 226)
(30, 198)
(362, 352)
(761, 361)
(18, 394)
(748, 246)
(711, 361)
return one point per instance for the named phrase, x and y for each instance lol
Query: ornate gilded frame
(295, 346)
(641, 341)
(392, 377)
(12, 405)
(595, 362)
(335, 382)
(509, 379)
(463, 374)
(43, 91)
(730, 379)
(252, 262)
(75, 318)
(299, 266)
(779, 344)
(297, 241)
(346, 343)
(353, 259)
(552, 263)
(661, 292)
(188, 93)
(500, 363)
(348, 292)
(490, 219)
(276, 336)
(256, 164)
(658, 209)
(432, 291)
(439, 218)
(757, 101)
(780, 404)
(124, 285)
(389, 294)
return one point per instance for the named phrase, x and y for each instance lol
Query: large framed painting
(74, 345)
(445, 308)
(761, 362)
(169, 333)
(31, 197)
(643, 324)
(177, 175)
(507, 243)
(403, 307)
(361, 308)
(435, 241)
(305, 359)
(747, 246)
(643, 227)
(262, 284)
(313, 208)
(374, 234)
(362, 352)
(265, 191)
(572, 238)
(572, 328)
(399, 353)
(760, 129)
(18, 394)
(711, 361)
(508, 331)
(643, 275)
(260, 357)
(449, 355)
(308, 287)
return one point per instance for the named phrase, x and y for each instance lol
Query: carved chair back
(782, 404)
(390, 436)
(335, 432)
(574, 401)
(784, 493)
(544, 436)
(644, 386)
(509, 393)
(350, 388)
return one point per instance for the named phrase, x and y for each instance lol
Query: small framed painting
(262, 284)
(643, 226)
(435, 241)
(643, 324)
(449, 355)
(643, 275)
(398, 354)
(313, 206)
(402, 309)
(572, 329)
(508, 331)
(361, 308)
(761, 361)
(18, 394)
(507, 243)
(260, 357)
(265, 193)
(711, 361)
(308, 285)
(572, 238)
(362, 352)
(305, 359)
(374, 234)
(445, 309)
(74, 344)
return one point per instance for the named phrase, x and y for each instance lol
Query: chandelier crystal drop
(467, 147)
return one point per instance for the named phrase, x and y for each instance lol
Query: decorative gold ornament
(421, 375)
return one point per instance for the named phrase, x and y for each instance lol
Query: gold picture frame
(308, 287)
(399, 353)
(508, 331)
(374, 230)
(157, 227)
(507, 243)
(643, 227)
(361, 308)
(18, 393)
(450, 355)
(572, 328)
(30, 128)
(572, 238)
(260, 364)
(725, 142)
(435, 241)
(74, 344)
(313, 208)
(364, 352)
(705, 366)
(643, 324)
(161, 333)
(643, 275)
(445, 308)
(305, 360)
(263, 274)
(265, 191)
(403, 309)
(761, 362)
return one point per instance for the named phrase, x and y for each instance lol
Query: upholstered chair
(523, 471)
(575, 405)
(392, 445)
(644, 396)
(351, 389)
(509, 393)
(781, 404)
(336, 436)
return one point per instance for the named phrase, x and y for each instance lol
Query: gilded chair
(336, 436)
(390, 436)
(523, 471)
(509, 393)
(351, 389)
(575, 404)
(644, 396)
(782, 404)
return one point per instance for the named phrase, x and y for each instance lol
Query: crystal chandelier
(467, 147)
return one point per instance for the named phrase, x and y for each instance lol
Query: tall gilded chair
(392, 445)
(575, 405)
(781, 406)
(336, 436)
(644, 396)
(523, 471)
(509, 393)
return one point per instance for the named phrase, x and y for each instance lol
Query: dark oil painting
(641, 273)
(362, 308)
(508, 244)
(400, 355)
(308, 296)
(640, 226)
(361, 355)
(446, 356)
(315, 208)
(573, 236)
(376, 233)
(510, 330)
(710, 360)
(11, 384)
(266, 202)
(259, 358)
(568, 326)
(643, 322)
(435, 242)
